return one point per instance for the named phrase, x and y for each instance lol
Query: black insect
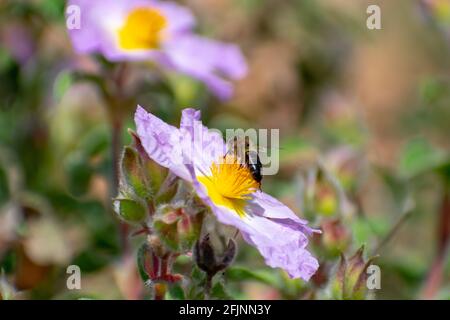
(254, 165)
(238, 147)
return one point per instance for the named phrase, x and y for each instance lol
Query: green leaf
(95, 142)
(5, 59)
(141, 254)
(362, 231)
(242, 274)
(432, 90)
(62, 84)
(197, 284)
(52, 9)
(197, 275)
(176, 292)
(420, 157)
(79, 173)
(219, 291)
(130, 210)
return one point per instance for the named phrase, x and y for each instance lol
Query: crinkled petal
(201, 146)
(161, 141)
(282, 246)
(174, 148)
(280, 213)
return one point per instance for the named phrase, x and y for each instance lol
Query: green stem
(392, 232)
(208, 285)
(116, 143)
(117, 104)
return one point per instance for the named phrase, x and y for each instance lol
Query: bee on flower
(229, 189)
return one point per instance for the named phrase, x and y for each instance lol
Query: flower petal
(161, 141)
(210, 61)
(180, 18)
(282, 246)
(201, 146)
(280, 213)
(100, 21)
(86, 38)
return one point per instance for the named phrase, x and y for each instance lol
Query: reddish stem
(436, 274)
(164, 267)
(434, 279)
(156, 264)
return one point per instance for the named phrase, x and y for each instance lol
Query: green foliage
(420, 157)
(130, 210)
(236, 273)
(134, 173)
(141, 256)
(79, 173)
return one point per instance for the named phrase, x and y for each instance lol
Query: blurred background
(364, 119)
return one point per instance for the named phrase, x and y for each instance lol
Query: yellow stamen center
(142, 29)
(230, 184)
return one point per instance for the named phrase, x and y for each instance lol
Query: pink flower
(194, 154)
(157, 31)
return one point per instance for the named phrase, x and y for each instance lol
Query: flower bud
(176, 227)
(156, 245)
(208, 261)
(187, 231)
(204, 255)
(335, 237)
(350, 279)
(326, 200)
(133, 173)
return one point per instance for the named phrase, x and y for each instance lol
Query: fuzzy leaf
(130, 210)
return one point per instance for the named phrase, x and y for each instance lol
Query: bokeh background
(364, 119)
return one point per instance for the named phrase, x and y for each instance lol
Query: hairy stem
(208, 285)
(116, 145)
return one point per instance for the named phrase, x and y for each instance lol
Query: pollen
(142, 29)
(230, 184)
